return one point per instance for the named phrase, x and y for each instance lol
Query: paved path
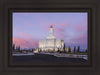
(46, 58)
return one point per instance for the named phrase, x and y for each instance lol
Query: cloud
(25, 42)
(60, 35)
(29, 25)
(47, 25)
(80, 39)
(59, 29)
(81, 26)
(21, 34)
(61, 24)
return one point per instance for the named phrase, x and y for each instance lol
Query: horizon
(29, 28)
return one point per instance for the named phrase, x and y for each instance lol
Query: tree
(78, 49)
(39, 50)
(64, 48)
(13, 46)
(19, 48)
(58, 50)
(86, 51)
(74, 49)
(69, 49)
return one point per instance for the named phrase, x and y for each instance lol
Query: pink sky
(29, 28)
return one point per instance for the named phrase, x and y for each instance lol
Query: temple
(51, 43)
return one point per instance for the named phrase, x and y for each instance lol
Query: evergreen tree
(78, 49)
(58, 50)
(13, 46)
(86, 51)
(19, 48)
(64, 48)
(69, 49)
(74, 49)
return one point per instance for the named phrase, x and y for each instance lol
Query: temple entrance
(48, 50)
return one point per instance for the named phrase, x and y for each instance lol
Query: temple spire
(51, 29)
(51, 34)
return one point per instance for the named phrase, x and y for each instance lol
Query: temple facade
(51, 43)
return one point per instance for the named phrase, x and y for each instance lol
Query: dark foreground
(46, 58)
